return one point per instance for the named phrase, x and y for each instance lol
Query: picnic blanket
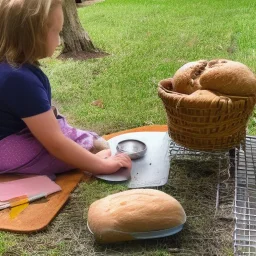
(39, 214)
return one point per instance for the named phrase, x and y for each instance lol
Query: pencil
(23, 201)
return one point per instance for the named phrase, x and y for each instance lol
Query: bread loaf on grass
(112, 218)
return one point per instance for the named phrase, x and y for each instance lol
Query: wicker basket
(218, 127)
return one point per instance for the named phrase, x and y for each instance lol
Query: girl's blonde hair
(23, 29)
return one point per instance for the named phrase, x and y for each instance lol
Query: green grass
(6, 241)
(146, 41)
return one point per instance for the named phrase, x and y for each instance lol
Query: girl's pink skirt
(22, 153)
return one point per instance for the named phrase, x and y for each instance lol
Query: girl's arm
(46, 129)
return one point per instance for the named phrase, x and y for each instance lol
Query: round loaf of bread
(228, 77)
(185, 79)
(199, 99)
(115, 217)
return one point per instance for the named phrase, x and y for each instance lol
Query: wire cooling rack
(223, 161)
(242, 164)
(245, 199)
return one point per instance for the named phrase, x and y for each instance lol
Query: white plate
(151, 234)
(157, 234)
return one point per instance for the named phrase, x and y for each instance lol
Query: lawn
(146, 41)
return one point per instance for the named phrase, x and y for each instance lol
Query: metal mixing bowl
(134, 148)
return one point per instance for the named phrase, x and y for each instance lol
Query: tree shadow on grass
(82, 55)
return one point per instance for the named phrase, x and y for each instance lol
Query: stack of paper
(16, 192)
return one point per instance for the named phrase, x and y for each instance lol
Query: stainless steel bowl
(134, 148)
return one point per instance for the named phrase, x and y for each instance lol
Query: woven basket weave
(218, 127)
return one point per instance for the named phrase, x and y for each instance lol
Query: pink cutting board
(27, 186)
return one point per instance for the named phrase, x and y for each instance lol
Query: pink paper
(27, 186)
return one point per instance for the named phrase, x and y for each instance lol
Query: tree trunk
(75, 38)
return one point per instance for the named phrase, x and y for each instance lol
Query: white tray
(152, 170)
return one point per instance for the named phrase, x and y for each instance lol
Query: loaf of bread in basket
(208, 104)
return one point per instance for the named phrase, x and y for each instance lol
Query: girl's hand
(114, 163)
(106, 153)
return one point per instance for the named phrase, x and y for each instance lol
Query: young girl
(32, 139)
